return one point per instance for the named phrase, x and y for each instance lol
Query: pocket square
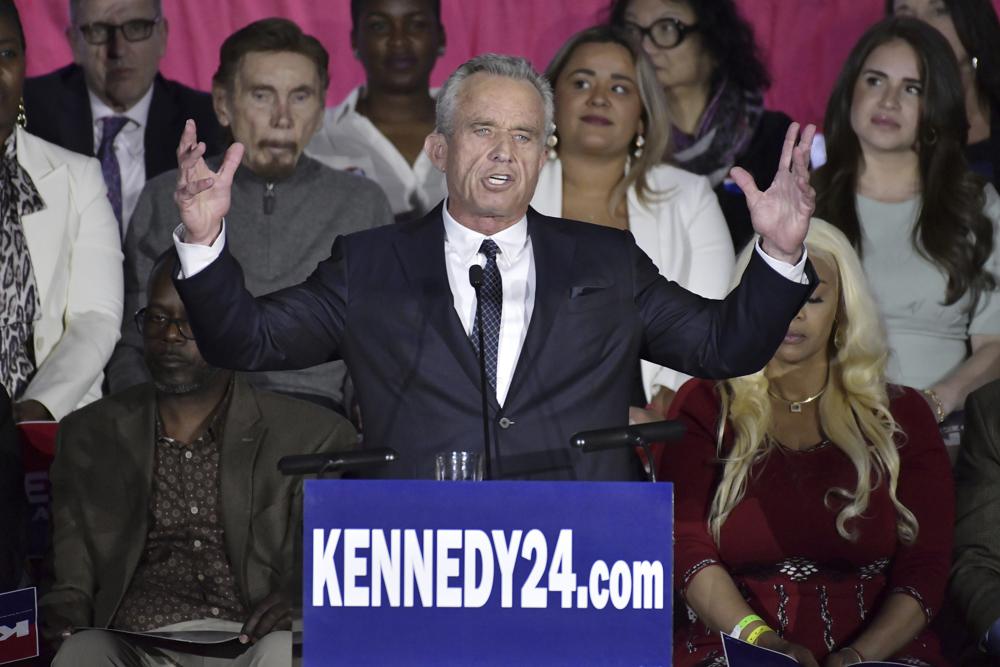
(583, 290)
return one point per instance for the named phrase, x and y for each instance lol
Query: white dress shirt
(130, 148)
(349, 141)
(516, 262)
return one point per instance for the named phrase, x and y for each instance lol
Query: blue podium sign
(494, 573)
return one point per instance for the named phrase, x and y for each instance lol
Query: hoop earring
(551, 143)
(22, 118)
(640, 141)
(838, 338)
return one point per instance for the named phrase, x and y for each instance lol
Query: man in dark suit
(117, 47)
(975, 575)
(568, 308)
(168, 511)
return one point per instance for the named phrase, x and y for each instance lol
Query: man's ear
(436, 148)
(220, 102)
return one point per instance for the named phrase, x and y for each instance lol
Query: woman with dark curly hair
(973, 31)
(708, 64)
(898, 185)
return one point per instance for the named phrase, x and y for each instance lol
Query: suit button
(505, 423)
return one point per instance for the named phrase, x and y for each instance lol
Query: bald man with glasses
(113, 103)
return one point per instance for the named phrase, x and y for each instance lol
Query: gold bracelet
(755, 635)
(938, 405)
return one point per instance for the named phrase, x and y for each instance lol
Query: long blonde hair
(853, 410)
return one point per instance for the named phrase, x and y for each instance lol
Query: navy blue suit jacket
(58, 110)
(382, 302)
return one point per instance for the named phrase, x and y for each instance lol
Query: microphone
(308, 464)
(629, 436)
(476, 280)
(476, 277)
(637, 435)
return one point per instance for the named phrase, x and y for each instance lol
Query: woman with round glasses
(61, 293)
(972, 28)
(707, 63)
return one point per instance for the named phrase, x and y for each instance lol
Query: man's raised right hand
(202, 195)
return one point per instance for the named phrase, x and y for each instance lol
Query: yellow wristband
(744, 622)
(755, 635)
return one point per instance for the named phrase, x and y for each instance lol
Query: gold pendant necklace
(796, 406)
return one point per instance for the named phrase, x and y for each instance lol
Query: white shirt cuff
(796, 273)
(195, 257)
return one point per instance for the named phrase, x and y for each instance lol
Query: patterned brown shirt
(184, 573)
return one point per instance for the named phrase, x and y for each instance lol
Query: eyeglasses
(152, 325)
(135, 30)
(665, 33)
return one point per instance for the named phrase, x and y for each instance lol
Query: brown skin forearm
(714, 597)
(897, 622)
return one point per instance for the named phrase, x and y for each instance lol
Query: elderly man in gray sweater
(269, 92)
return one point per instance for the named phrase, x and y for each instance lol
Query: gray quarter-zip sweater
(279, 232)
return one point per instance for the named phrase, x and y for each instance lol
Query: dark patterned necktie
(491, 306)
(109, 163)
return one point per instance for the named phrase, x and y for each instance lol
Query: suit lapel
(241, 439)
(44, 229)
(135, 432)
(160, 155)
(553, 251)
(76, 119)
(420, 248)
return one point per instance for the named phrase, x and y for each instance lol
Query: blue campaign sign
(495, 573)
(18, 625)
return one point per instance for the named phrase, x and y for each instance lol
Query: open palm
(203, 195)
(781, 213)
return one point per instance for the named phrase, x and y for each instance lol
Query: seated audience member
(379, 129)
(708, 64)
(973, 31)
(897, 184)
(609, 113)
(975, 576)
(112, 102)
(814, 503)
(12, 498)
(167, 507)
(269, 92)
(61, 296)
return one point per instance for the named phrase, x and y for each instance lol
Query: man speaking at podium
(568, 307)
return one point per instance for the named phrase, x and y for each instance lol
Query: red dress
(780, 543)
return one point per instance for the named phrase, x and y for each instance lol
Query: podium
(496, 573)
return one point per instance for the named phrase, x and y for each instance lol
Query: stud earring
(440, 51)
(551, 143)
(22, 118)
(975, 63)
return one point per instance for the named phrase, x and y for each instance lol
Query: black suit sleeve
(14, 503)
(296, 327)
(710, 338)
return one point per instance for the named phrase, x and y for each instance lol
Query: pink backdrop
(804, 41)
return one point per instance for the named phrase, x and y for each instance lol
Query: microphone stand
(636, 435)
(476, 280)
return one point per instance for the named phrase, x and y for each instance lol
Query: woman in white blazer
(606, 169)
(61, 308)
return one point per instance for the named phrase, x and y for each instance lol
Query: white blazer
(682, 230)
(77, 260)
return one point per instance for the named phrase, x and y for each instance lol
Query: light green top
(927, 339)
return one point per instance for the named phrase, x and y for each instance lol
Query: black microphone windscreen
(476, 276)
(308, 464)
